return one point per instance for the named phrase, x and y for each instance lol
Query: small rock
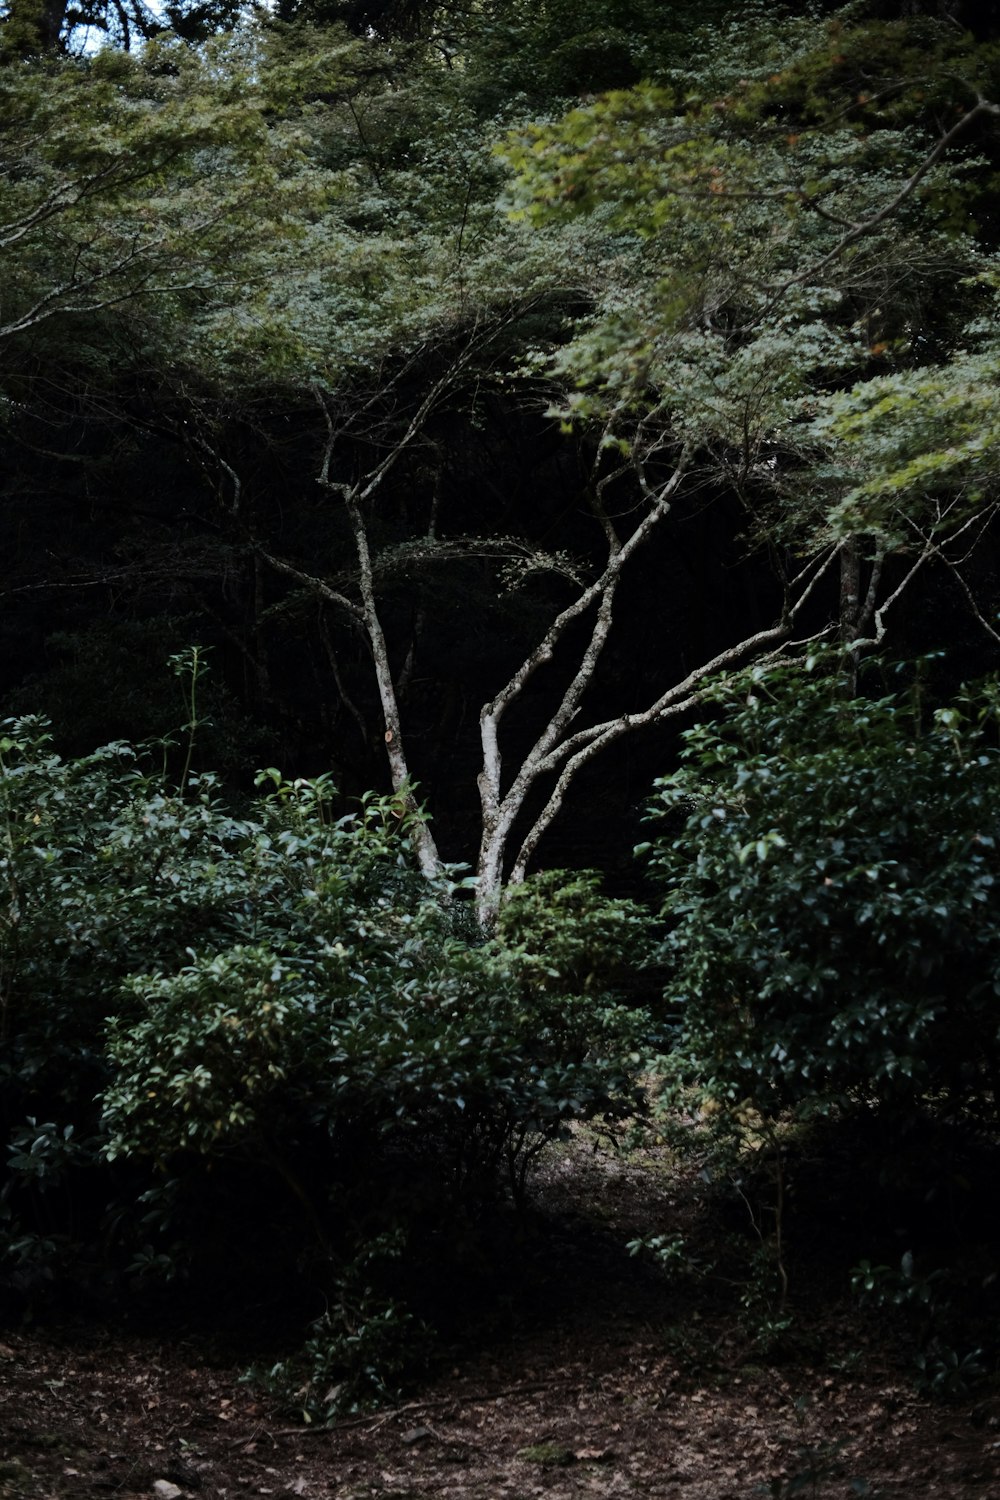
(164, 1490)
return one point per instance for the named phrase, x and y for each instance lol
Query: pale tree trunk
(365, 610)
(367, 615)
(500, 808)
(562, 748)
(424, 845)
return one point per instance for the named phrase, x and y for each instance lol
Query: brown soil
(611, 1382)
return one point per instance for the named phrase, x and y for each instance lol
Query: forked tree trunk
(565, 743)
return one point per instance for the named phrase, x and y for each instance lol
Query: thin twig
(459, 1400)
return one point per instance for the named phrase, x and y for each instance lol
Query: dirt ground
(613, 1381)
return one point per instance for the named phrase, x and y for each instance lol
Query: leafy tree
(750, 223)
(34, 27)
(138, 183)
(777, 207)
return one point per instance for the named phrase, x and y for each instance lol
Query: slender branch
(416, 423)
(331, 656)
(954, 567)
(878, 634)
(499, 812)
(77, 286)
(310, 581)
(227, 469)
(866, 611)
(424, 844)
(620, 554)
(970, 598)
(70, 194)
(678, 700)
(363, 490)
(717, 664)
(51, 304)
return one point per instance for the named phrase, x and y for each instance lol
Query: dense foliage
(279, 1000)
(832, 886)
(483, 381)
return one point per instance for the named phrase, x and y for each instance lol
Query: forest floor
(607, 1378)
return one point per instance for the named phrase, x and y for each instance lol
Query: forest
(499, 748)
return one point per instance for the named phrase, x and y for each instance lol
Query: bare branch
(866, 610)
(954, 565)
(499, 812)
(880, 627)
(423, 841)
(331, 656)
(227, 468)
(580, 748)
(317, 585)
(619, 556)
(677, 700)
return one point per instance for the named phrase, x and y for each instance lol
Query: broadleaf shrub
(273, 1027)
(831, 883)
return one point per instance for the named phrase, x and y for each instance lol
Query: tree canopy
(426, 353)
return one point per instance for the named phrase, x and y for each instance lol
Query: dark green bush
(100, 865)
(830, 871)
(359, 1011)
(275, 1026)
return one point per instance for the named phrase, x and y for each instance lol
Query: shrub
(830, 871)
(99, 864)
(280, 1017)
(361, 1012)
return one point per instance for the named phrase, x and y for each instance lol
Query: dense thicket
(302, 1054)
